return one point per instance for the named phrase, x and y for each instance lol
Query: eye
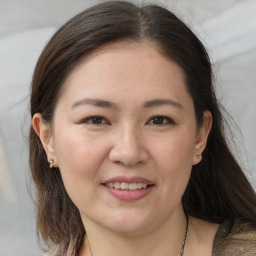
(160, 120)
(95, 120)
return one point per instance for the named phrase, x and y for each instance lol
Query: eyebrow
(107, 104)
(160, 102)
(95, 102)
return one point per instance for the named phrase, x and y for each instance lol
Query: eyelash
(100, 120)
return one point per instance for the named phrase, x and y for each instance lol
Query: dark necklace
(185, 236)
(183, 243)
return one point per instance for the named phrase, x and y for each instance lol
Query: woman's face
(125, 137)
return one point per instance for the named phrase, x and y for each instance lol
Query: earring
(199, 156)
(51, 162)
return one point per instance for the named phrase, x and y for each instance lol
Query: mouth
(129, 189)
(127, 186)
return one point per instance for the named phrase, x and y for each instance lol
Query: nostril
(118, 162)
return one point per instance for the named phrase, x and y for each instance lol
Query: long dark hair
(217, 189)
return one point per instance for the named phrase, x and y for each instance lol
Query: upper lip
(128, 180)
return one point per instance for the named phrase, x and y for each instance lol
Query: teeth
(111, 185)
(126, 186)
(117, 185)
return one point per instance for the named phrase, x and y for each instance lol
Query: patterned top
(233, 238)
(236, 238)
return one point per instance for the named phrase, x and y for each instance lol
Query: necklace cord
(185, 236)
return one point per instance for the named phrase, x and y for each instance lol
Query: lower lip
(129, 195)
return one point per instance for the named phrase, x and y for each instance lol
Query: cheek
(79, 161)
(176, 149)
(174, 161)
(77, 150)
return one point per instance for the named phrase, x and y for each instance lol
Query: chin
(129, 230)
(128, 223)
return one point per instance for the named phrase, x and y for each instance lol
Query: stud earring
(199, 156)
(51, 162)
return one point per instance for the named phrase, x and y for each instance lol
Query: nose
(129, 148)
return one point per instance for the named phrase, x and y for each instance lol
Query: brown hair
(217, 189)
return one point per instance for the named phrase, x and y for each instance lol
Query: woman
(127, 148)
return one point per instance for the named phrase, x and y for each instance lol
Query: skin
(159, 142)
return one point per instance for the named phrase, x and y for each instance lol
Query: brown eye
(160, 120)
(96, 120)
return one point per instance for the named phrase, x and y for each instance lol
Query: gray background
(228, 28)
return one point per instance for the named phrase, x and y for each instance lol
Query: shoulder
(235, 238)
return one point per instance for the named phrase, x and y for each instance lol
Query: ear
(202, 135)
(44, 132)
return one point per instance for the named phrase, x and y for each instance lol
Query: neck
(166, 240)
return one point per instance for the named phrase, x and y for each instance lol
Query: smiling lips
(128, 189)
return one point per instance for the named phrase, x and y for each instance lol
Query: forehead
(141, 55)
(124, 47)
(125, 67)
